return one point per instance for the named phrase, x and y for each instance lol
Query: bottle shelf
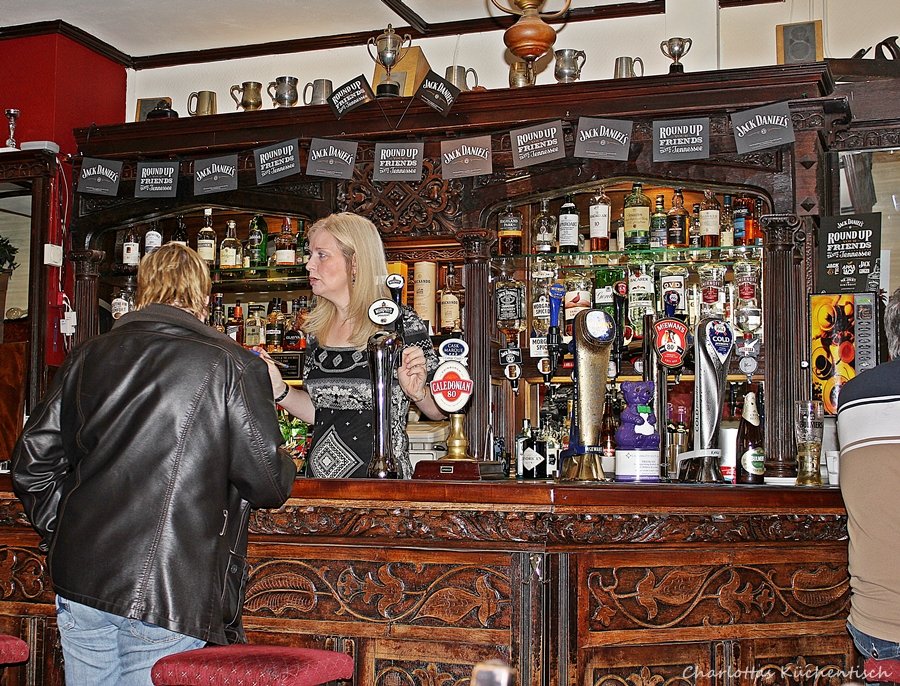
(574, 261)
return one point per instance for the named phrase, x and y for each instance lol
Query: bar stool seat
(882, 671)
(260, 665)
(12, 650)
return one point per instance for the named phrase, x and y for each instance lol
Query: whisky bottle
(543, 229)
(230, 252)
(206, 239)
(234, 325)
(599, 208)
(152, 238)
(254, 330)
(509, 231)
(509, 304)
(131, 250)
(694, 239)
(217, 318)
(659, 224)
(451, 300)
(568, 226)
(637, 219)
(710, 221)
(293, 336)
(751, 462)
(726, 225)
(179, 235)
(257, 241)
(677, 222)
(543, 273)
(286, 245)
(119, 305)
(275, 327)
(302, 243)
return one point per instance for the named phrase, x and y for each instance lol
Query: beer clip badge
(670, 338)
(452, 385)
(720, 339)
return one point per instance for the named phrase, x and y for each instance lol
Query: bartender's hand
(412, 374)
(274, 375)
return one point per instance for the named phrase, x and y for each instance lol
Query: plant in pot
(7, 264)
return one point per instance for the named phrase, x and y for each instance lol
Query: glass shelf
(687, 256)
(261, 276)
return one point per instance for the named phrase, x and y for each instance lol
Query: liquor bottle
(577, 298)
(617, 234)
(712, 289)
(179, 234)
(275, 327)
(710, 220)
(217, 317)
(293, 336)
(451, 301)
(605, 279)
(286, 245)
(549, 445)
(543, 229)
(274, 230)
(637, 219)
(754, 226)
(230, 255)
(524, 440)
(234, 325)
(739, 220)
(659, 222)
(673, 291)
(254, 330)
(509, 304)
(302, 243)
(599, 208)
(120, 304)
(641, 294)
(608, 426)
(677, 222)
(694, 239)
(543, 274)
(131, 250)
(257, 241)
(509, 231)
(751, 463)
(748, 313)
(152, 238)
(568, 226)
(206, 239)
(726, 223)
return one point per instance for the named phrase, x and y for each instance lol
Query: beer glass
(809, 423)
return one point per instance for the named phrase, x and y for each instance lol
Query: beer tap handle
(620, 302)
(395, 283)
(555, 349)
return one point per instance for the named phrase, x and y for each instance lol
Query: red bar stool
(13, 650)
(260, 665)
(882, 671)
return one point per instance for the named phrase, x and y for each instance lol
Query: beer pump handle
(395, 283)
(555, 348)
(620, 301)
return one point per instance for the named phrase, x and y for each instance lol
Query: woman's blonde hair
(366, 270)
(176, 275)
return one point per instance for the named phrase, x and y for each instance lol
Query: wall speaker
(800, 42)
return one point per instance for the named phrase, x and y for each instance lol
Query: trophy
(11, 116)
(389, 49)
(675, 49)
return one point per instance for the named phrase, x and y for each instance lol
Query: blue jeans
(870, 646)
(103, 649)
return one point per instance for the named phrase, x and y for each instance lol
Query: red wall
(58, 85)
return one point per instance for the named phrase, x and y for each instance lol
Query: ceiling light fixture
(530, 37)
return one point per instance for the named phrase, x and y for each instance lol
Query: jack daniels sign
(402, 160)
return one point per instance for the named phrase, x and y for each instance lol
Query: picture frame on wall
(145, 105)
(799, 42)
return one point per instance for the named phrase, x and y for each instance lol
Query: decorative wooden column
(786, 349)
(87, 304)
(477, 319)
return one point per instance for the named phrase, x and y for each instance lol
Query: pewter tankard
(251, 95)
(624, 68)
(283, 91)
(568, 65)
(316, 92)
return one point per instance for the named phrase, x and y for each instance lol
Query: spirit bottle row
(277, 329)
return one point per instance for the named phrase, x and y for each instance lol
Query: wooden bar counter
(637, 585)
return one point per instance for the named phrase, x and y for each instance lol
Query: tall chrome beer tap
(593, 334)
(713, 347)
(384, 349)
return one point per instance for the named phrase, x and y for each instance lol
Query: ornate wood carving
(24, 575)
(87, 272)
(873, 136)
(632, 598)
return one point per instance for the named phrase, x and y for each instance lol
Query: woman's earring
(353, 280)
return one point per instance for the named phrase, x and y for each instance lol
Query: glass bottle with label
(543, 229)
(641, 293)
(234, 325)
(712, 289)
(206, 239)
(286, 245)
(131, 250)
(257, 240)
(578, 296)
(677, 222)
(710, 220)
(748, 313)
(230, 252)
(548, 444)
(608, 427)
(543, 274)
(605, 279)
(179, 235)
(451, 300)
(673, 291)
(694, 238)
(637, 219)
(659, 224)
(532, 461)
(568, 226)
(254, 329)
(120, 304)
(275, 327)
(217, 316)
(524, 441)
(751, 462)
(726, 224)
(152, 238)
(599, 208)
(509, 304)
(509, 231)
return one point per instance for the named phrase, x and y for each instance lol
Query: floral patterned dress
(338, 382)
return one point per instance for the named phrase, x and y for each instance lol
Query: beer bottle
(751, 467)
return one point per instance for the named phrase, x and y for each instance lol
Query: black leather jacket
(137, 458)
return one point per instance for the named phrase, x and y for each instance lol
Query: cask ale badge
(670, 337)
